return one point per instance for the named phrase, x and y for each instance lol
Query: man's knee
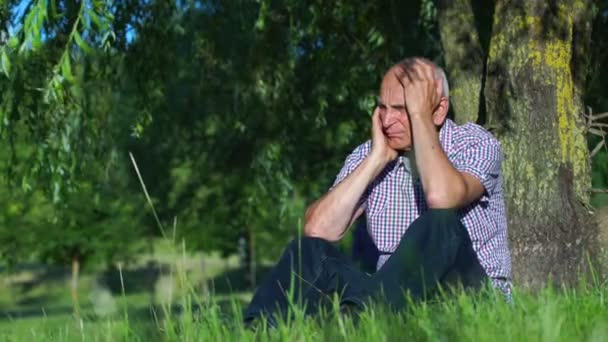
(444, 221)
(308, 246)
(442, 216)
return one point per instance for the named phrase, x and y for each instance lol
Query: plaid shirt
(395, 198)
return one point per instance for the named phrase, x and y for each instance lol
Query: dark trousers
(436, 249)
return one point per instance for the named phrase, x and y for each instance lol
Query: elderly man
(432, 195)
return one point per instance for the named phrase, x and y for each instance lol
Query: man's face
(393, 114)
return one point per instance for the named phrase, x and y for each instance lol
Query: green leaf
(36, 41)
(81, 43)
(13, 42)
(6, 64)
(95, 18)
(66, 69)
(260, 23)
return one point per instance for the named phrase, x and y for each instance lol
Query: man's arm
(332, 214)
(444, 186)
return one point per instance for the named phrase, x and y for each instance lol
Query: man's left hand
(422, 91)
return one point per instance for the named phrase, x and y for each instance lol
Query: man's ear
(441, 112)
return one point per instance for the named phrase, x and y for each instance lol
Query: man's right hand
(381, 151)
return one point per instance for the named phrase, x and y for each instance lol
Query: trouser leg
(308, 273)
(434, 248)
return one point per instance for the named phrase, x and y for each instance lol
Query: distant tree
(97, 224)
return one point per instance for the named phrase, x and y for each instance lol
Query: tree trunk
(463, 57)
(533, 98)
(252, 264)
(74, 286)
(247, 256)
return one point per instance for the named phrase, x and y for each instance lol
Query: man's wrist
(377, 161)
(419, 115)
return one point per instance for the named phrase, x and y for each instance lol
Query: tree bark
(534, 101)
(463, 57)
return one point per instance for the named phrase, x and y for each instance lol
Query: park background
(236, 114)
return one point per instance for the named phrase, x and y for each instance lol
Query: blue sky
(20, 9)
(18, 18)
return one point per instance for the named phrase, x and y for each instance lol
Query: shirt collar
(407, 160)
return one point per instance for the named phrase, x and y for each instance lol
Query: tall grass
(579, 314)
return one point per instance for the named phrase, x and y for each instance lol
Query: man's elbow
(313, 228)
(446, 199)
(310, 229)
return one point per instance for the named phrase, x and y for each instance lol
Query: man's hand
(422, 91)
(381, 151)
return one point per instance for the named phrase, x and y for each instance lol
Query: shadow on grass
(9, 315)
(32, 304)
(136, 280)
(41, 274)
(29, 279)
(141, 314)
(236, 280)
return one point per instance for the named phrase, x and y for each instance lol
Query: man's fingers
(425, 70)
(374, 113)
(416, 70)
(413, 70)
(376, 124)
(430, 76)
(376, 116)
(402, 75)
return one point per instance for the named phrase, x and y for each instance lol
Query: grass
(579, 314)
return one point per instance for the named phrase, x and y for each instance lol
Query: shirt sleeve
(350, 164)
(483, 160)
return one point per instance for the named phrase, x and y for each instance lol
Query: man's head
(393, 110)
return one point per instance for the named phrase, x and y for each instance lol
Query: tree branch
(600, 191)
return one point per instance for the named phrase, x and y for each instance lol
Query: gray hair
(445, 88)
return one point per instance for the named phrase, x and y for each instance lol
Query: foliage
(63, 124)
(48, 76)
(261, 118)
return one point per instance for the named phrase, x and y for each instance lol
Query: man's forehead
(390, 84)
